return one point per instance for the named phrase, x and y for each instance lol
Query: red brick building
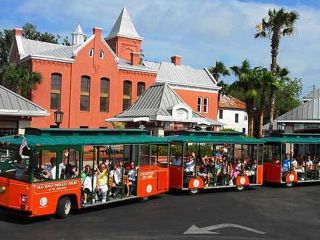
(97, 78)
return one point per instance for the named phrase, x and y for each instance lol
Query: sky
(201, 31)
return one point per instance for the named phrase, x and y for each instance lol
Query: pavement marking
(208, 230)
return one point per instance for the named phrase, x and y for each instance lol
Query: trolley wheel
(240, 188)
(193, 191)
(289, 184)
(63, 207)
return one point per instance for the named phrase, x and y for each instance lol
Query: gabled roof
(306, 112)
(159, 103)
(124, 27)
(27, 47)
(229, 102)
(52, 51)
(183, 76)
(12, 104)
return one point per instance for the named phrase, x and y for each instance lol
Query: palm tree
(19, 79)
(218, 70)
(279, 23)
(248, 85)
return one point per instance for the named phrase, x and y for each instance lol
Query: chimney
(135, 58)
(97, 31)
(18, 32)
(176, 60)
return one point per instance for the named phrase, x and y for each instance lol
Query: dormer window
(101, 54)
(91, 52)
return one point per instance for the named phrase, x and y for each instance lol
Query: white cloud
(201, 31)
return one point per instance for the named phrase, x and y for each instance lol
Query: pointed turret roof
(78, 30)
(124, 27)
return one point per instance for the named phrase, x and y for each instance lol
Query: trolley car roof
(210, 137)
(81, 137)
(294, 138)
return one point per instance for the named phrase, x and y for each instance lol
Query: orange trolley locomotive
(51, 171)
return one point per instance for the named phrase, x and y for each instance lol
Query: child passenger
(88, 186)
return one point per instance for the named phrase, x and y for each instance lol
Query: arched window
(55, 94)
(91, 52)
(127, 89)
(104, 94)
(141, 87)
(85, 93)
(101, 54)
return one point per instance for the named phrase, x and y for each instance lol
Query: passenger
(88, 185)
(203, 173)
(309, 164)
(52, 171)
(217, 166)
(189, 165)
(286, 163)
(298, 169)
(20, 168)
(212, 173)
(132, 174)
(176, 161)
(102, 183)
(84, 173)
(116, 175)
(236, 171)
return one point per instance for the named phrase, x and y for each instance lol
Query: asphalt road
(278, 212)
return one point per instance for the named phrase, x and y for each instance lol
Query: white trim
(19, 45)
(206, 105)
(132, 68)
(124, 36)
(297, 121)
(191, 88)
(8, 112)
(198, 104)
(210, 75)
(91, 52)
(48, 58)
(76, 51)
(141, 119)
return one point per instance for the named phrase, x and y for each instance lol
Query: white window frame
(199, 106)
(206, 105)
(236, 117)
(91, 52)
(101, 54)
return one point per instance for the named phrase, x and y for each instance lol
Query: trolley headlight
(2, 189)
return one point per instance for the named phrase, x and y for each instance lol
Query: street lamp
(58, 117)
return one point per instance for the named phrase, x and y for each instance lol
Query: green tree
(278, 23)
(30, 32)
(219, 69)
(20, 79)
(225, 88)
(246, 88)
(287, 97)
